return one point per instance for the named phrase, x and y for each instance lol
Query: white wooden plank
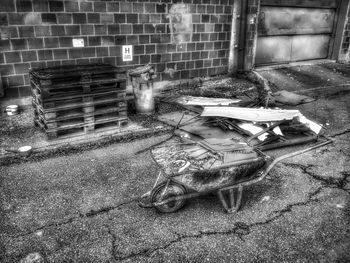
(253, 129)
(249, 114)
(205, 101)
(315, 127)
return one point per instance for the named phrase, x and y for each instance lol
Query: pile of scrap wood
(259, 127)
(264, 128)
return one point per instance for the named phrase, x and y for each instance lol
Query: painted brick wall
(39, 33)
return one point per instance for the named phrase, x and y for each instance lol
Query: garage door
(290, 31)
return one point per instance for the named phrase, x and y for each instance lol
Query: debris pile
(281, 127)
(220, 144)
(258, 127)
(237, 115)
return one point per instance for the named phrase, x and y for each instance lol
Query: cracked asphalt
(83, 207)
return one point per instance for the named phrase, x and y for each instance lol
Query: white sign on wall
(127, 53)
(78, 42)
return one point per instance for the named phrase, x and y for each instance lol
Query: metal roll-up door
(290, 31)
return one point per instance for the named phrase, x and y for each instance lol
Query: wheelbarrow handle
(282, 157)
(265, 171)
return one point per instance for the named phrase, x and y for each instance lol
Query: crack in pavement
(107, 209)
(241, 229)
(114, 240)
(340, 133)
(337, 183)
(90, 214)
(344, 153)
(310, 199)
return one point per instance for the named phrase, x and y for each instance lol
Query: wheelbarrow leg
(233, 203)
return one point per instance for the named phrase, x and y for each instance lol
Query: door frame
(341, 16)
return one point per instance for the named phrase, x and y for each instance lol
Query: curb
(83, 145)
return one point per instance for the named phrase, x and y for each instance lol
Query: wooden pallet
(86, 110)
(71, 89)
(71, 99)
(76, 73)
(81, 100)
(79, 126)
(65, 81)
(78, 119)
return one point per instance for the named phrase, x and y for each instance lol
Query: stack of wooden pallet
(73, 100)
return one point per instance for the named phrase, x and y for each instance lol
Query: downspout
(234, 42)
(255, 41)
(343, 20)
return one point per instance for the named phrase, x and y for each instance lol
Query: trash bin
(142, 84)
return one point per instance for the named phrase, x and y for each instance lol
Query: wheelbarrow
(182, 177)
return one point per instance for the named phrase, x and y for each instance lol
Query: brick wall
(39, 33)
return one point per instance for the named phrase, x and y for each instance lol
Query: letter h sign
(127, 53)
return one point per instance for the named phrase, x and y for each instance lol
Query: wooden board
(71, 89)
(59, 115)
(249, 114)
(196, 126)
(78, 127)
(83, 100)
(205, 101)
(68, 71)
(173, 118)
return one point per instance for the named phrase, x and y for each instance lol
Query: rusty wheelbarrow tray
(227, 179)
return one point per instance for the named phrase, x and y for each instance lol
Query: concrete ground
(82, 207)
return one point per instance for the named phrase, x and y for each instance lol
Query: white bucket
(12, 110)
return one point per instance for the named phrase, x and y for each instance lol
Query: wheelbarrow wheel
(173, 189)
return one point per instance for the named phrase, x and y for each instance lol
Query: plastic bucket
(144, 98)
